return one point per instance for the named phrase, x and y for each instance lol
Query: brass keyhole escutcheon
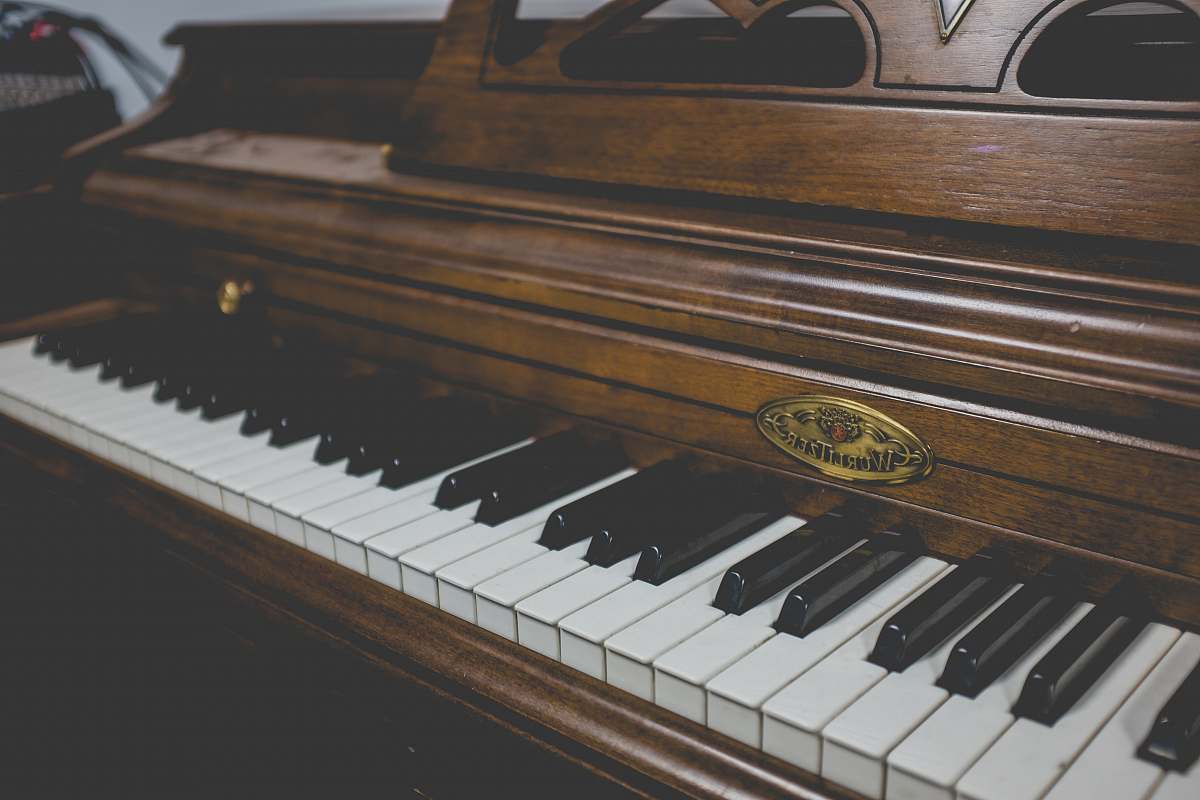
(231, 293)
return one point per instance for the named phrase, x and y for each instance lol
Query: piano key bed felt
(826, 644)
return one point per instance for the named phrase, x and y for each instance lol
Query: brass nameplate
(844, 439)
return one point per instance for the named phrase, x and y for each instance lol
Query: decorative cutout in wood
(783, 47)
(958, 51)
(1151, 52)
(949, 14)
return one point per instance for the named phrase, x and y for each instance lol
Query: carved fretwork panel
(893, 106)
(885, 50)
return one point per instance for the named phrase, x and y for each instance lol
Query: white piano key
(173, 458)
(736, 694)
(582, 633)
(47, 391)
(289, 511)
(125, 436)
(396, 542)
(210, 478)
(319, 521)
(1109, 767)
(681, 673)
(179, 468)
(348, 537)
(1029, 757)
(856, 743)
(457, 581)
(539, 614)
(496, 597)
(66, 394)
(17, 351)
(261, 497)
(44, 381)
(1179, 786)
(233, 489)
(98, 406)
(202, 435)
(425, 562)
(109, 403)
(794, 717)
(630, 654)
(938, 753)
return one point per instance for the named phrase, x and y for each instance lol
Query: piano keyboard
(847, 651)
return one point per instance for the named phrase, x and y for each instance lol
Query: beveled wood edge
(754, 231)
(564, 711)
(217, 202)
(82, 314)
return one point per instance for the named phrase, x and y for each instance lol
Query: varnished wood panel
(1106, 174)
(1032, 341)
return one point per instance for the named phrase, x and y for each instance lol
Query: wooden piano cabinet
(1009, 276)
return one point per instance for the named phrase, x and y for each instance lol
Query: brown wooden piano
(733, 399)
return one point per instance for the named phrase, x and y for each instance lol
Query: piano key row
(846, 651)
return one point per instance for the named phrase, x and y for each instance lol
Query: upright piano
(755, 398)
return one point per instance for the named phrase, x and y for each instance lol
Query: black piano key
(136, 363)
(300, 411)
(707, 530)
(88, 344)
(787, 560)
(382, 439)
(259, 417)
(168, 387)
(147, 355)
(579, 520)
(939, 611)
(846, 581)
(83, 348)
(1174, 739)
(1007, 634)
(293, 425)
(351, 420)
(459, 431)
(224, 399)
(674, 510)
(43, 343)
(58, 352)
(472, 483)
(1079, 659)
(522, 490)
(291, 380)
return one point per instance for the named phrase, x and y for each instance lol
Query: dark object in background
(50, 97)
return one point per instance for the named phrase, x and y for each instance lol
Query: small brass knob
(231, 293)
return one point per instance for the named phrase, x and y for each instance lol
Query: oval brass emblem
(844, 439)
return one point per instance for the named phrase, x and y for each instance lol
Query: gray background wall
(144, 22)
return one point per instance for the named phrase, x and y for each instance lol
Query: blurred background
(143, 23)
